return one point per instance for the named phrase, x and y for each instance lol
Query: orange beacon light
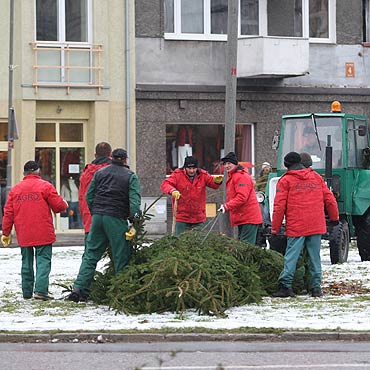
(336, 107)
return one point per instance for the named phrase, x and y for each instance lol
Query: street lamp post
(11, 115)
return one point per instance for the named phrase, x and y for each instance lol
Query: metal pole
(128, 76)
(10, 100)
(230, 96)
(231, 63)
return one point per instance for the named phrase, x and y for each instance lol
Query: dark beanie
(291, 158)
(190, 161)
(119, 154)
(31, 166)
(306, 159)
(230, 157)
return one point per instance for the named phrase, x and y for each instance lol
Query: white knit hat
(265, 164)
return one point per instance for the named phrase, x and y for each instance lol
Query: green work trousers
(183, 226)
(293, 253)
(248, 233)
(42, 254)
(105, 230)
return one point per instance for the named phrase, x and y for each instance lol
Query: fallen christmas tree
(188, 272)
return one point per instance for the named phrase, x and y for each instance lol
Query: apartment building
(74, 79)
(294, 56)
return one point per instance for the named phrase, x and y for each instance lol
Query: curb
(186, 337)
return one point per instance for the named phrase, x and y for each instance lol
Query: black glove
(334, 223)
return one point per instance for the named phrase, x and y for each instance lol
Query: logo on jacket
(307, 186)
(30, 197)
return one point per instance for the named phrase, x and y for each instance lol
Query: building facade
(74, 79)
(294, 56)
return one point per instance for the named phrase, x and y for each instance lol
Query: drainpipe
(128, 78)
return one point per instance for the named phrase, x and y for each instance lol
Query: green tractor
(338, 144)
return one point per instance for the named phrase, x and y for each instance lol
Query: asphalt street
(313, 355)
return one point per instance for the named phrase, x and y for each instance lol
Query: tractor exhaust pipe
(329, 162)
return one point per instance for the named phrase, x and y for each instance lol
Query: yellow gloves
(218, 179)
(131, 233)
(6, 240)
(176, 194)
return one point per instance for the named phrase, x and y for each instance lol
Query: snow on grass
(345, 312)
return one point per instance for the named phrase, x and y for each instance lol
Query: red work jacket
(85, 179)
(302, 195)
(191, 207)
(241, 199)
(28, 207)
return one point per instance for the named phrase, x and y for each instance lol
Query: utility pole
(11, 114)
(230, 95)
(231, 63)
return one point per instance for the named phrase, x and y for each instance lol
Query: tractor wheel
(339, 243)
(278, 243)
(362, 226)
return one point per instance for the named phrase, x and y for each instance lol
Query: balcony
(68, 65)
(272, 57)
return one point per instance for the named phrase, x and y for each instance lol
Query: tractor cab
(339, 146)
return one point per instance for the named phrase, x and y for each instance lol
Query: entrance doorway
(60, 150)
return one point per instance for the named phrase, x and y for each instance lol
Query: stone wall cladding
(149, 18)
(264, 110)
(349, 22)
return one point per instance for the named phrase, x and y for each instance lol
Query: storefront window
(206, 143)
(3, 131)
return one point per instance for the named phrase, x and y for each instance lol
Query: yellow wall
(104, 113)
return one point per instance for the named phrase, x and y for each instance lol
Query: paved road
(328, 355)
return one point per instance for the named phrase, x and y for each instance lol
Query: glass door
(60, 150)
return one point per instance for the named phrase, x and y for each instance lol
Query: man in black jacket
(113, 197)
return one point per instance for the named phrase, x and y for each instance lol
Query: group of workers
(110, 198)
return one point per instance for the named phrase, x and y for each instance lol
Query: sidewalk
(70, 240)
(106, 337)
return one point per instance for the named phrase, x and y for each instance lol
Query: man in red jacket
(103, 153)
(241, 200)
(187, 186)
(28, 207)
(301, 195)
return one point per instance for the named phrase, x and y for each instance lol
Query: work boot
(284, 292)
(77, 295)
(42, 297)
(316, 292)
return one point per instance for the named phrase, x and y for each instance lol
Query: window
(206, 143)
(63, 42)
(62, 20)
(356, 143)
(207, 19)
(366, 22)
(3, 131)
(299, 136)
(196, 19)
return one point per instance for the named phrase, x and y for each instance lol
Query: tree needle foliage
(186, 272)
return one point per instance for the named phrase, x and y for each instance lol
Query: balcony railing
(67, 65)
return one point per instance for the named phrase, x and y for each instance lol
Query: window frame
(262, 15)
